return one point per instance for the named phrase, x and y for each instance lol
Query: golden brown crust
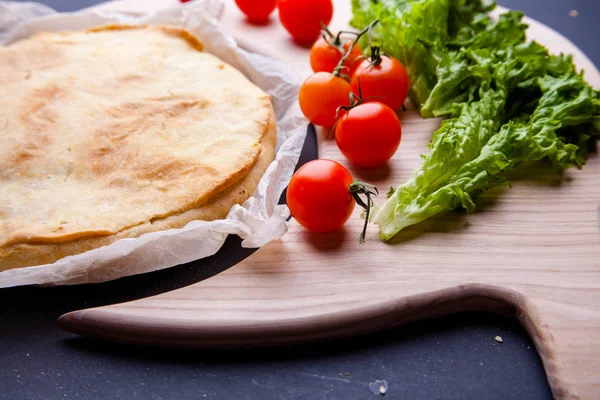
(22, 255)
(146, 153)
(169, 30)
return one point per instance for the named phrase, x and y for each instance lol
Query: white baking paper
(258, 221)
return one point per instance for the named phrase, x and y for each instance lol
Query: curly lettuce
(445, 182)
(508, 101)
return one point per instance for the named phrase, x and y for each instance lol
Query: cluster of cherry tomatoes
(357, 99)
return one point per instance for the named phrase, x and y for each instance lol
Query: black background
(449, 358)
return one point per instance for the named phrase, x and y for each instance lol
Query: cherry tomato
(319, 197)
(320, 96)
(302, 18)
(368, 134)
(388, 80)
(257, 11)
(325, 57)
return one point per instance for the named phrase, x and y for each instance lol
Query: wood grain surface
(532, 251)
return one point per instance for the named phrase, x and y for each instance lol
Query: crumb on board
(379, 388)
(574, 13)
(499, 339)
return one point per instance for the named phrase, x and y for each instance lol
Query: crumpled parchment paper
(258, 221)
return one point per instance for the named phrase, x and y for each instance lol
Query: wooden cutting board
(532, 251)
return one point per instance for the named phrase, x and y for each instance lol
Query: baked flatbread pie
(118, 131)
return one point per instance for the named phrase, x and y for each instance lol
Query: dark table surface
(449, 358)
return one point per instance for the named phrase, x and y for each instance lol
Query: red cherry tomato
(320, 96)
(302, 18)
(325, 57)
(368, 134)
(319, 197)
(388, 80)
(257, 11)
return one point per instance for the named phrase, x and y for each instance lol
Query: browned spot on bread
(106, 160)
(128, 118)
(164, 168)
(114, 27)
(169, 30)
(183, 34)
(38, 114)
(23, 155)
(102, 152)
(38, 118)
(19, 159)
(125, 81)
(165, 106)
(119, 181)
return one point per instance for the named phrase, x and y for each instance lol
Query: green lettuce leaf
(508, 100)
(424, 34)
(440, 183)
